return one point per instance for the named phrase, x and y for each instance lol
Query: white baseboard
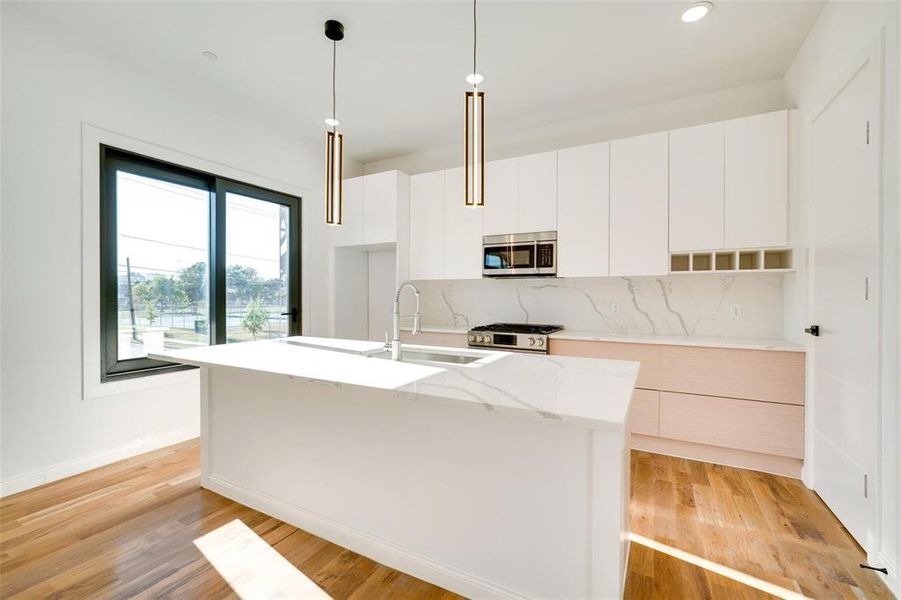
(891, 580)
(372, 547)
(61, 470)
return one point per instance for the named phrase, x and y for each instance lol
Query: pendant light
(334, 142)
(474, 132)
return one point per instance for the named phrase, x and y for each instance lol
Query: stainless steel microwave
(520, 255)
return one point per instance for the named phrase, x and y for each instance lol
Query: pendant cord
(474, 38)
(334, 62)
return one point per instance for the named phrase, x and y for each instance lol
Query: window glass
(257, 268)
(162, 250)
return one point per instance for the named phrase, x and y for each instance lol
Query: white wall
(52, 84)
(842, 32)
(726, 104)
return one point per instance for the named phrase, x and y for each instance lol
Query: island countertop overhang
(592, 393)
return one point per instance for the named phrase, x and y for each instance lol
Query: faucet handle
(417, 323)
(387, 341)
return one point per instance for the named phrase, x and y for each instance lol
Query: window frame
(112, 160)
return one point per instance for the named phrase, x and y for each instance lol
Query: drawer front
(752, 374)
(648, 355)
(450, 340)
(644, 412)
(742, 424)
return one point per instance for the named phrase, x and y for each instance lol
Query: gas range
(512, 336)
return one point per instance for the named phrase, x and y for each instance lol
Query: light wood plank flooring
(128, 530)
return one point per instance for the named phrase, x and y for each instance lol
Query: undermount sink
(421, 356)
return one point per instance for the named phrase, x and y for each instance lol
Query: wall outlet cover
(736, 311)
(614, 308)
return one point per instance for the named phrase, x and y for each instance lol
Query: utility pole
(131, 301)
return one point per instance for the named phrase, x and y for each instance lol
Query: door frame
(871, 53)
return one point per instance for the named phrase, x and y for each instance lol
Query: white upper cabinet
(375, 211)
(696, 188)
(756, 182)
(583, 204)
(350, 232)
(639, 205)
(462, 231)
(380, 207)
(500, 211)
(427, 225)
(537, 193)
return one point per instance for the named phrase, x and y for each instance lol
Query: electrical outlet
(736, 311)
(614, 307)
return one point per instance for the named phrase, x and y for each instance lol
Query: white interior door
(845, 169)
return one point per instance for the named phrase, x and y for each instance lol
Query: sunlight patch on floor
(252, 567)
(749, 580)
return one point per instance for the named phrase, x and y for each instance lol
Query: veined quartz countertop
(590, 392)
(640, 338)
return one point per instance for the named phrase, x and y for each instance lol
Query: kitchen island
(492, 474)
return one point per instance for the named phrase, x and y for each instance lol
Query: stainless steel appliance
(512, 336)
(520, 255)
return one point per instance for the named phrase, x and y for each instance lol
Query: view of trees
(187, 292)
(255, 317)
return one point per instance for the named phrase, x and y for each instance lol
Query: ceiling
(402, 65)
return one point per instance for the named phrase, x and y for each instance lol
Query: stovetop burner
(519, 328)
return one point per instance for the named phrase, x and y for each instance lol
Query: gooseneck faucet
(417, 318)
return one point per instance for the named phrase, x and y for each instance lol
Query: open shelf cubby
(732, 261)
(680, 263)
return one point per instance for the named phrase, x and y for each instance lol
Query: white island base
(484, 500)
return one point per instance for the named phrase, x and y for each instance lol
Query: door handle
(813, 330)
(294, 312)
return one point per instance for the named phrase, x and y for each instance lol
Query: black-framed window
(188, 259)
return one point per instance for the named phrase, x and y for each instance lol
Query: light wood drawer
(644, 412)
(753, 374)
(742, 424)
(451, 340)
(647, 354)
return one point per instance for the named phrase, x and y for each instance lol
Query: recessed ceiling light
(209, 55)
(332, 122)
(696, 12)
(474, 79)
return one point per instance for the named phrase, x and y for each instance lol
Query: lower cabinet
(764, 427)
(644, 415)
(741, 407)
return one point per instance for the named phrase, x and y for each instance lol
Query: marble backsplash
(690, 305)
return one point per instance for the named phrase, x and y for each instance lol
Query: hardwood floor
(129, 530)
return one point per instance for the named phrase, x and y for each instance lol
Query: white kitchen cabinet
(380, 207)
(696, 188)
(583, 204)
(462, 231)
(756, 181)
(537, 192)
(500, 211)
(639, 206)
(350, 232)
(427, 225)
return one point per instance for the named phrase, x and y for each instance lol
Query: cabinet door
(537, 193)
(638, 206)
(427, 226)
(350, 232)
(583, 204)
(380, 208)
(696, 192)
(757, 181)
(462, 231)
(499, 212)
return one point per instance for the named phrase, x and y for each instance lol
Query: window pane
(257, 267)
(162, 265)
